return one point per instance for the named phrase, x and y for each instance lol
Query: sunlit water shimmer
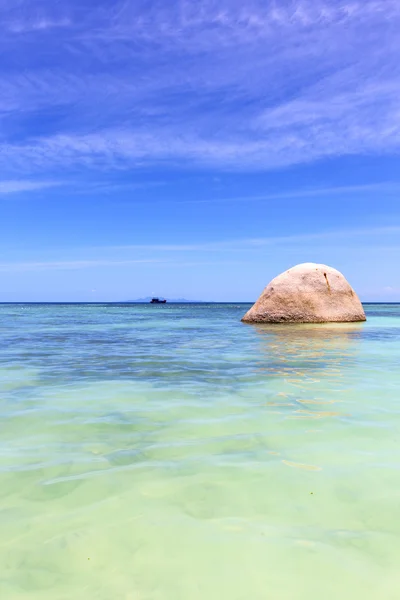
(173, 453)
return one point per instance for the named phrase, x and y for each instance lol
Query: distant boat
(157, 301)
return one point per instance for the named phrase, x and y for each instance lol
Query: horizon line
(168, 302)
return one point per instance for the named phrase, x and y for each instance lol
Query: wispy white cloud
(255, 86)
(117, 149)
(23, 16)
(231, 20)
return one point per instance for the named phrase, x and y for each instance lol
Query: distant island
(169, 300)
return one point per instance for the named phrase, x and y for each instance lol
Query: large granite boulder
(307, 293)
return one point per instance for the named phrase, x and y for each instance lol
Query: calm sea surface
(173, 453)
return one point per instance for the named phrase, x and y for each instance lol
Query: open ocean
(170, 452)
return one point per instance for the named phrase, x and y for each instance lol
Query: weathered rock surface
(307, 293)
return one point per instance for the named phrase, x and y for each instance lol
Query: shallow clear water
(173, 453)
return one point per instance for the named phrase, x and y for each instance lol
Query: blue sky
(197, 148)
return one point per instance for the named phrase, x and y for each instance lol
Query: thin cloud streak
(90, 264)
(255, 243)
(383, 187)
(240, 246)
(20, 185)
(71, 265)
(19, 27)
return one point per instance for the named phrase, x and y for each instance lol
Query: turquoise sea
(173, 453)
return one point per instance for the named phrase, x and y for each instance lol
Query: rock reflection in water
(308, 364)
(305, 350)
